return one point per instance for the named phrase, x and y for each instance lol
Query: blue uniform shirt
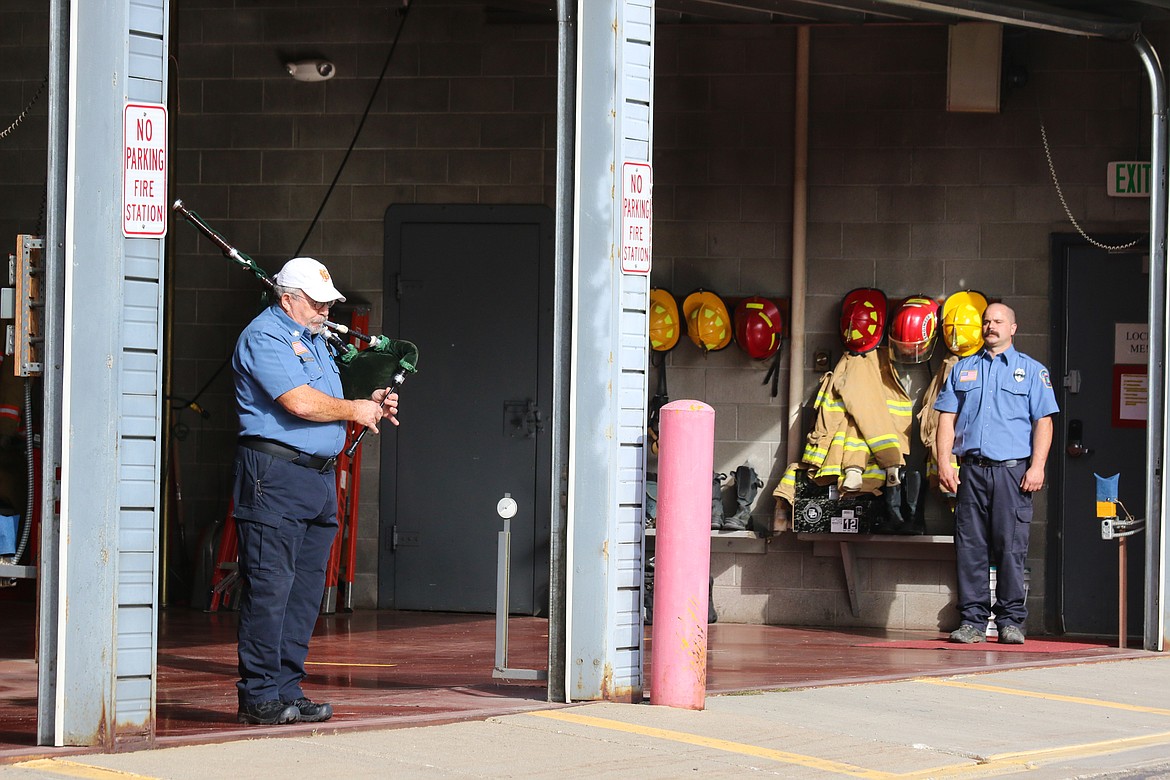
(996, 400)
(274, 355)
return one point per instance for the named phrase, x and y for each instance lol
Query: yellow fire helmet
(664, 322)
(962, 322)
(708, 323)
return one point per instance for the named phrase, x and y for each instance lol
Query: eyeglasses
(314, 304)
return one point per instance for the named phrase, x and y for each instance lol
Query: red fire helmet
(758, 328)
(863, 319)
(912, 330)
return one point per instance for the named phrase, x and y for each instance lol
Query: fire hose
(384, 363)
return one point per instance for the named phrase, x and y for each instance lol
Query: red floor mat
(1030, 646)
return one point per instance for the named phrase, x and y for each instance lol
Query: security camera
(311, 70)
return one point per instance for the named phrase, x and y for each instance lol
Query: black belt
(987, 463)
(278, 450)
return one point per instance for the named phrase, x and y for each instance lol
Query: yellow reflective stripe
(814, 455)
(879, 443)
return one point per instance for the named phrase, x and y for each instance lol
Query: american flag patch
(970, 375)
(299, 348)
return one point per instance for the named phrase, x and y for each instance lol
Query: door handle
(533, 420)
(1075, 448)
(522, 419)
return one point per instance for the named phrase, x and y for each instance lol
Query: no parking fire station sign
(637, 217)
(144, 170)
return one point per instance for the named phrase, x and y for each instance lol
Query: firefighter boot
(648, 591)
(916, 521)
(717, 501)
(747, 484)
(712, 615)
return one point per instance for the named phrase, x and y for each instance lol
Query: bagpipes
(384, 363)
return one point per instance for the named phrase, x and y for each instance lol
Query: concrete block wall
(903, 196)
(466, 114)
(24, 49)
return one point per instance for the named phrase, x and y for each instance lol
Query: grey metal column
(1155, 580)
(54, 294)
(110, 399)
(609, 359)
(562, 309)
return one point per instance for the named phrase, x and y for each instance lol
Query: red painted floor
(385, 669)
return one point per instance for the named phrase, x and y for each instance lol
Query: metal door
(465, 284)
(1095, 292)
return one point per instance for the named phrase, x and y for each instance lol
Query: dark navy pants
(993, 519)
(286, 519)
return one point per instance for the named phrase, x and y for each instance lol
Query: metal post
(562, 309)
(1122, 591)
(506, 508)
(502, 582)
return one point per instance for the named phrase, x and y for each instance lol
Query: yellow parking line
(822, 764)
(998, 764)
(59, 766)
(1049, 696)
(1002, 763)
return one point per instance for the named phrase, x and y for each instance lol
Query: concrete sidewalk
(1105, 719)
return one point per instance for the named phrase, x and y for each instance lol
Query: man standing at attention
(292, 426)
(996, 417)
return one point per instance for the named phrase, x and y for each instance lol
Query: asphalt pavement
(1107, 719)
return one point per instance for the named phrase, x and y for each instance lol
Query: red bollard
(682, 557)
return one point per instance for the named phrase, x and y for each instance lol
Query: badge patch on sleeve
(299, 348)
(1045, 378)
(970, 375)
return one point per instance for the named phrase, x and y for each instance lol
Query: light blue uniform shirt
(274, 355)
(996, 400)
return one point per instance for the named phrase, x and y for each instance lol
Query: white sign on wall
(1131, 343)
(1128, 179)
(144, 170)
(637, 218)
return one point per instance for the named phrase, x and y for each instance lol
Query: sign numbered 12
(637, 217)
(144, 170)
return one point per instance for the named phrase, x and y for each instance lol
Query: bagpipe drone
(384, 363)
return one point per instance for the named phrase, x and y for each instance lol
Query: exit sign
(1128, 179)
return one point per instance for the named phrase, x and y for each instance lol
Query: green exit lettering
(1128, 179)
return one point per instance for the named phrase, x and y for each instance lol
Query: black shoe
(268, 713)
(310, 711)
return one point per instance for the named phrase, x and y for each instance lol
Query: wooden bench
(853, 546)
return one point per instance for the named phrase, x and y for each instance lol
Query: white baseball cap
(309, 275)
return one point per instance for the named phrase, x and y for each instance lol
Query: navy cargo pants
(993, 519)
(286, 519)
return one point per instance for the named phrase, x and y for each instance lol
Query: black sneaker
(268, 713)
(310, 711)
